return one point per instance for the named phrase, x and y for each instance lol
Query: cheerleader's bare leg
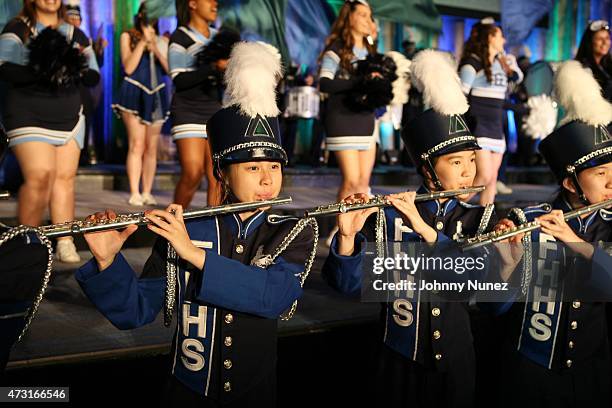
(348, 162)
(61, 204)
(149, 159)
(191, 157)
(136, 145)
(37, 163)
(213, 192)
(367, 159)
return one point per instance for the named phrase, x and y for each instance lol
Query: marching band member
(427, 359)
(556, 353)
(232, 283)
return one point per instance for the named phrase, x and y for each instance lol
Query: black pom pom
(373, 91)
(219, 48)
(55, 61)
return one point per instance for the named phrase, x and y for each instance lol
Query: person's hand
(510, 249)
(404, 203)
(221, 64)
(105, 245)
(350, 223)
(375, 75)
(148, 33)
(170, 225)
(554, 224)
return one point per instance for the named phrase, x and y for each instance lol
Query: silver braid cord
(380, 233)
(527, 256)
(297, 229)
(24, 230)
(170, 297)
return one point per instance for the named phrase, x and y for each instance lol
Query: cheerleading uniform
(33, 112)
(143, 93)
(196, 96)
(346, 129)
(486, 99)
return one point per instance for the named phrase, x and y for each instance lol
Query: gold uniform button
(576, 304)
(571, 344)
(438, 356)
(229, 318)
(568, 363)
(439, 225)
(436, 334)
(239, 249)
(227, 386)
(574, 325)
(227, 341)
(227, 364)
(435, 311)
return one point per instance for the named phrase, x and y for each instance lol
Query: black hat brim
(458, 147)
(255, 154)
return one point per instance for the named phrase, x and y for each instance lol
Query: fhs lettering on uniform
(403, 316)
(542, 324)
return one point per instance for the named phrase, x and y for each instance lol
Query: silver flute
(496, 236)
(123, 220)
(382, 201)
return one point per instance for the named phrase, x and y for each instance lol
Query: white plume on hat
(73, 3)
(401, 85)
(434, 74)
(580, 95)
(252, 73)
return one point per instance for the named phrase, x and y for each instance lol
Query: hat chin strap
(579, 191)
(432, 172)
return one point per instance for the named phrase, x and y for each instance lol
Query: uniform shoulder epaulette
(279, 219)
(605, 214)
(540, 208)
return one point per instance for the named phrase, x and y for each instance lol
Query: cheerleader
(232, 284)
(594, 53)
(349, 132)
(427, 359)
(196, 97)
(485, 71)
(42, 113)
(556, 351)
(143, 103)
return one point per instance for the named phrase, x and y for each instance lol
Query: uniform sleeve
(13, 66)
(185, 75)
(343, 273)
(87, 49)
(127, 302)
(517, 75)
(467, 74)
(12, 48)
(265, 292)
(328, 82)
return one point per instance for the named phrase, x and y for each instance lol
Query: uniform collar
(242, 229)
(199, 37)
(434, 206)
(577, 224)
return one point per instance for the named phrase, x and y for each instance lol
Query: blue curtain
(520, 16)
(307, 23)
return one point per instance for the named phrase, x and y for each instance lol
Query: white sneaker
(66, 251)
(329, 239)
(136, 200)
(148, 199)
(502, 188)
